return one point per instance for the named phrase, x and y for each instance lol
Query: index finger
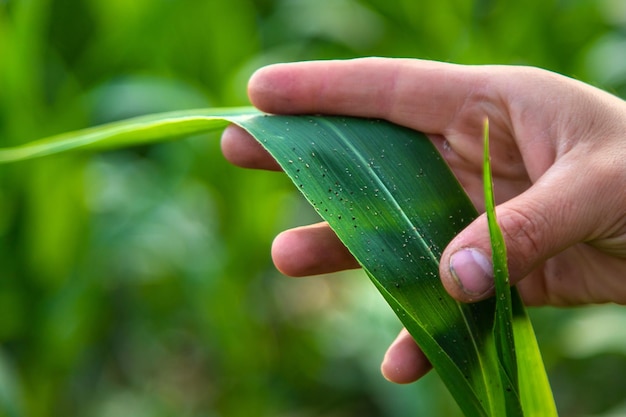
(423, 95)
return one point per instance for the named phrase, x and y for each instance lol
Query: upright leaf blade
(136, 131)
(515, 338)
(535, 391)
(503, 326)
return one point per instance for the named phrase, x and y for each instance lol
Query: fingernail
(472, 271)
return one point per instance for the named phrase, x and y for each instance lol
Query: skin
(558, 151)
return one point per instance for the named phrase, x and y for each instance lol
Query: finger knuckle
(524, 234)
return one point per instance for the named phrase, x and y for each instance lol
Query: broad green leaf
(396, 222)
(394, 203)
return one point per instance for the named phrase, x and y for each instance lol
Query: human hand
(558, 149)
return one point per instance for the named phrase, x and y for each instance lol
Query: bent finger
(404, 361)
(311, 250)
(241, 149)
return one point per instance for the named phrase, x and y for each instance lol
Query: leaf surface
(393, 201)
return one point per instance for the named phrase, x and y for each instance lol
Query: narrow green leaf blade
(515, 338)
(131, 132)
(503, 326)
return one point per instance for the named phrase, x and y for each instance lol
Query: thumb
(558, 211)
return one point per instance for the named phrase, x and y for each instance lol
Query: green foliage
(503, 333)
(117, 271)
(395, 204)
(521, 365)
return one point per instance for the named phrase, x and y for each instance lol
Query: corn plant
(395, 204)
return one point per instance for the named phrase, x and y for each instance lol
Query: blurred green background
(139, 282)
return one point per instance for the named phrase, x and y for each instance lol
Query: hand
(558, 160)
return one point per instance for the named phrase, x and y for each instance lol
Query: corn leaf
(503, 326)
(395, 204)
